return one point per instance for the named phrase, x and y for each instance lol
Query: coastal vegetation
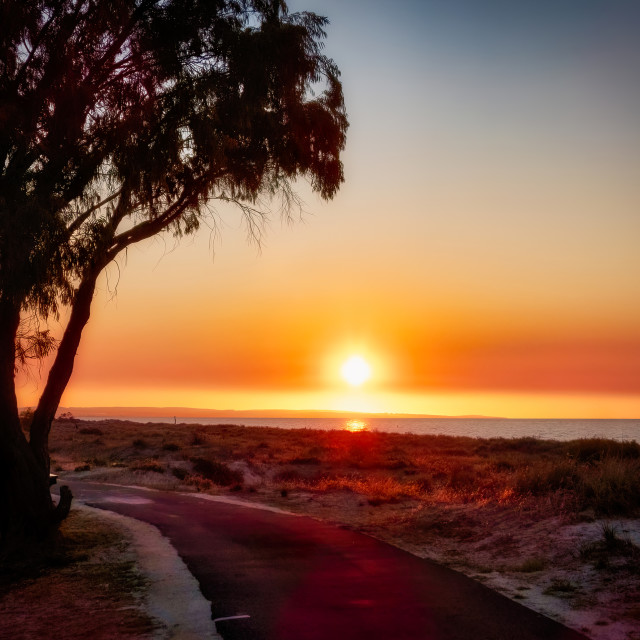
(580, 475)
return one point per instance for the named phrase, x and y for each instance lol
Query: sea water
(472, 427)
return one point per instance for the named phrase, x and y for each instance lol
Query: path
(284, 577)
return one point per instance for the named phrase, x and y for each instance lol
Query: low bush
(560, 588)
(179, 473)
(154, 467)
(395, 465)
(531, 565)
(218, 472)
(502, 465)
(198, 439)
(91, 431)
(424, 485)
(608, 546)
(462, 477)
(379, 500)
(310, 460)
(595, 449)
(546, 477)
(611, 487)
(288, 475)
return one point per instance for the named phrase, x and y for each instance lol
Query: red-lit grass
(599, 474)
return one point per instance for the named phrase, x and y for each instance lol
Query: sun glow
(355, 426)
(356, 370)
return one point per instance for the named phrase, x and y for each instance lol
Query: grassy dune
(595, 474)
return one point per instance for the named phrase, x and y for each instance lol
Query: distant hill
(190, 412)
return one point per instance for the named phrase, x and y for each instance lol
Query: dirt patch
(89, 587)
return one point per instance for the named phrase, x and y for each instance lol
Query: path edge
(173, 596)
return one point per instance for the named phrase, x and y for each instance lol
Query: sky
(482, 255)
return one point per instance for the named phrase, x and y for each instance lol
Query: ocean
(472, 427)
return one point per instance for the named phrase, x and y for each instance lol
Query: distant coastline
(191, 412)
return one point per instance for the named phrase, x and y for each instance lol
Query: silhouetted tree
(122, 119)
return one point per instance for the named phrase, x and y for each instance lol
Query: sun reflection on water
(356, 425)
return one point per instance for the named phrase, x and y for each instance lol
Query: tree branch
(77, 223)
(148, 228)
(36, 44)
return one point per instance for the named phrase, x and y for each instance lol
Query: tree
(122, 119)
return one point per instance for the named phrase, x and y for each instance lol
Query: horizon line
(198, 412)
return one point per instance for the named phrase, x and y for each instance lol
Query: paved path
(285, 577)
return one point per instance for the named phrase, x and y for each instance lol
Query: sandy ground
(123, 579)
(172, 595)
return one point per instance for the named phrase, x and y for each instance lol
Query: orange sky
(483, 253)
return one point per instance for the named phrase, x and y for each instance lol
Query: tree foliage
(120, 119)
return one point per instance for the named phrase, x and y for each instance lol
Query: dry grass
(85, 585)
(596, 474)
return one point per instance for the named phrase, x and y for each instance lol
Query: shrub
(395, 465)
(149, 466)
(198, 439)
(612, 487)
(179, 473)
(310, 460)
(502, 465)
(378, 501)
(424, 485)
(139, 443)
(462, 477)
(170, 446)
(610, 535)
(218, 472)
(91, 431)
(531, 565)
(287, 475)
(560, 588)
(595, 449)
(546, 477)
(608, 545)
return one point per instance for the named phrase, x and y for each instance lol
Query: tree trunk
(61, 370)
(25, 500)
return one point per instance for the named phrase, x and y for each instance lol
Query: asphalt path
(275, 576)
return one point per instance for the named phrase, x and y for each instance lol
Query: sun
(356, 370)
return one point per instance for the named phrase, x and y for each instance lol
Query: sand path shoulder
(173, 596)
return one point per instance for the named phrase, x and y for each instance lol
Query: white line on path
(231, 618)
